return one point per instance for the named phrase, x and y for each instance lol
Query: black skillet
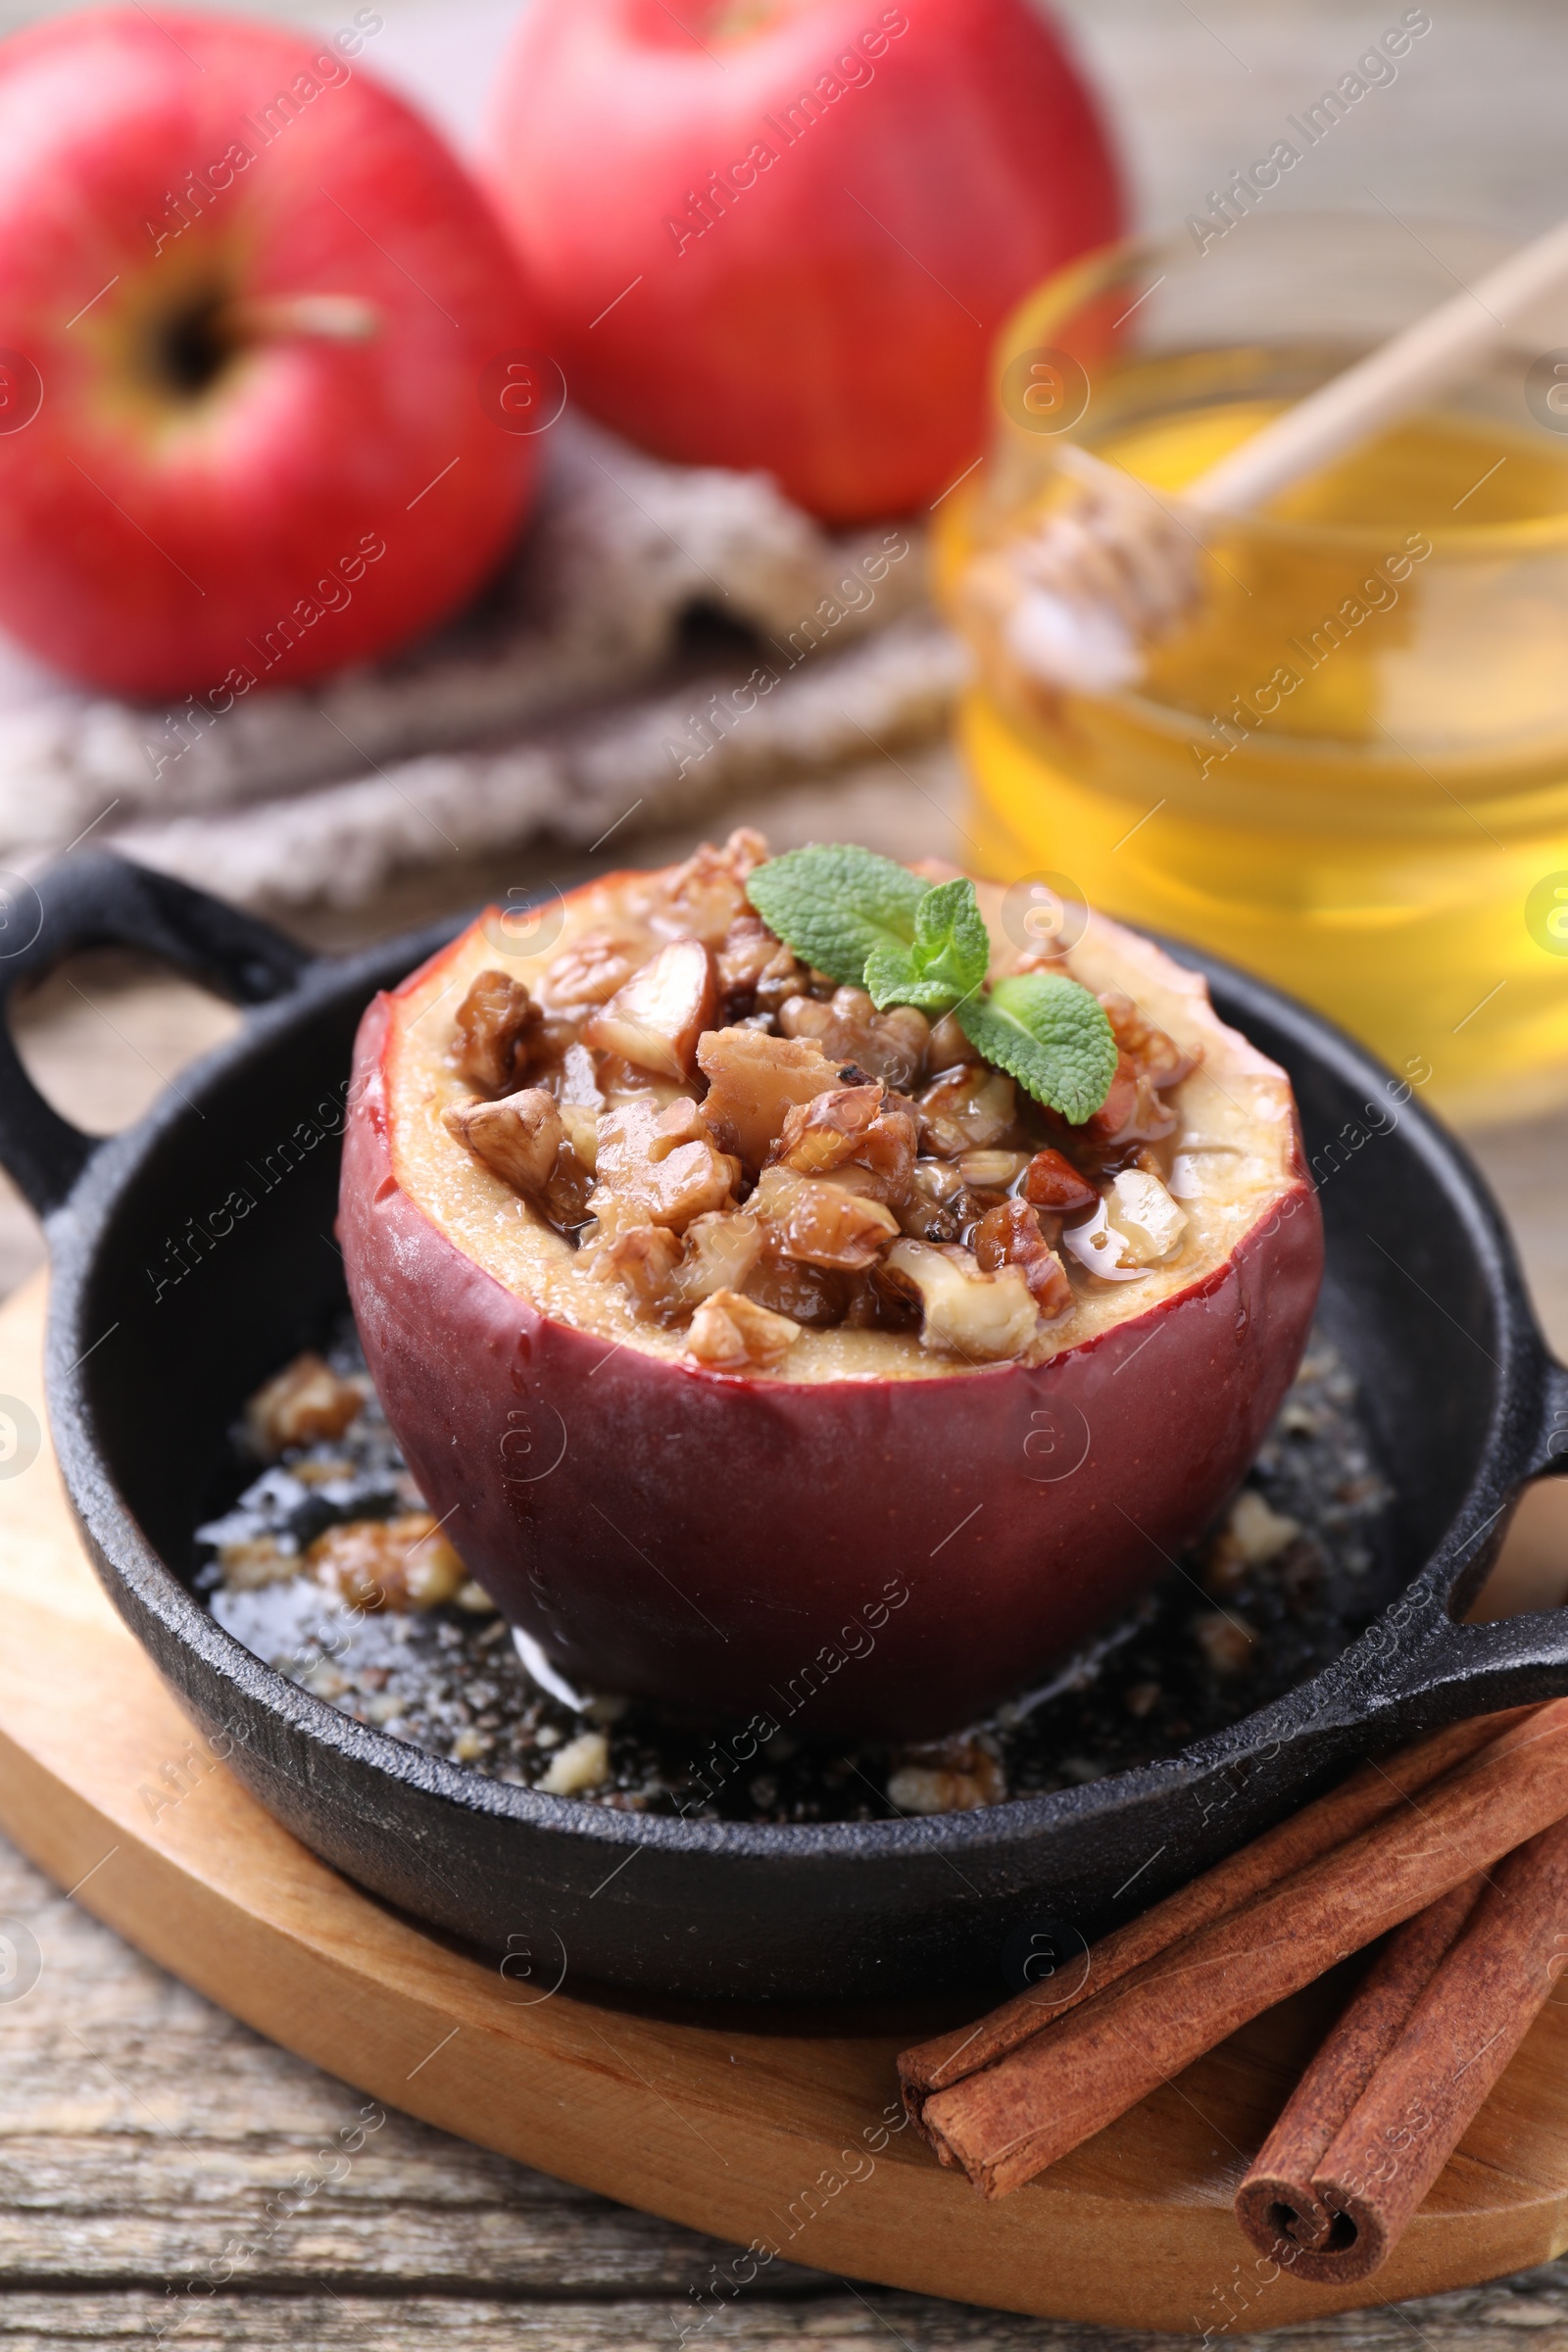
(155, 1336)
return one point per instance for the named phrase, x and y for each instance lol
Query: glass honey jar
(1345, 765)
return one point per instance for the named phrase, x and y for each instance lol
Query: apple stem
(325, 317)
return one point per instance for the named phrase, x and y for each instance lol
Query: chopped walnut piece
(1114, 1117)
(706, 895)
(402, 1563)
(887, 1153)
(824, 1134)
(932, 1211)
(940, 1138)
(1258, 1532)
(754, 1080)
(1053, 1183)
(656, 1019)
(987, 1318)
(819, 1222)
(992, 1171)
(583, 1763)
(744, 954)
(827, 1026)
(976, 1105)
(256, 1560)
(732, 1333)
(954, 1775)
(590, 972)
(1010, 1235)
(662, 1163)
(810, 1295)
(526, 1140)
(756, 968)
(300, 1405)
(322, 1470)
(496, 1024)
(898, 1040)
(1152, 1054)
(612, 1217)
(643, 1260)
(890, 1046)
(948, 1046)
(1132, 1112)
(721, 1250)
(849, 1130)
(519, 1139)
(940, 1181)
(1228, 1644)
(1253, 1534)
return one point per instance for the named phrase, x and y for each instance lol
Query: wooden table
(141, 2132)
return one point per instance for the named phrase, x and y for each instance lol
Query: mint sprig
(946, 959)
(1048, 1034)
(835, 905)
(869, 923)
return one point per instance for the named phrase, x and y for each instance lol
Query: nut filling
(742, 1151)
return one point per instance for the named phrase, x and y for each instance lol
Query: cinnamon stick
(1277, 2199)
(1473, 2014)
(1371, 1792)
(1008, 2122)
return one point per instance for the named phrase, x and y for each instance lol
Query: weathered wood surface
(143, 2136)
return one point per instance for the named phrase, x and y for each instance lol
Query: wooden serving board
(762, 2126)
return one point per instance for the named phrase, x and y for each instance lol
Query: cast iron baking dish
(145, 1375)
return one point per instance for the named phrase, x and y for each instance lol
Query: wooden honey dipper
(1083, 596)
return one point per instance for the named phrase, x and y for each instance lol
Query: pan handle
(93, 900)
(1471, 1670)
(1550, 1456)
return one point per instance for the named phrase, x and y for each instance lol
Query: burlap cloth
(665, 638)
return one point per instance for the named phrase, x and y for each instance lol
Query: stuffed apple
(786, 1293)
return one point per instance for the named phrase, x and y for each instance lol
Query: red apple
(782, 234)
(247, 301)
(866, 1525)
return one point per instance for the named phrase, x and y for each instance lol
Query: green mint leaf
(835, 905)
(946, 960)
(1051, 1035)
(892, 979)
(952, 945)
(890, 976)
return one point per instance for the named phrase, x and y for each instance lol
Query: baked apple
(773, 1345)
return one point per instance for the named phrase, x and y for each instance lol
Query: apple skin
(833, 324)
(163, 542)
(717, 1542)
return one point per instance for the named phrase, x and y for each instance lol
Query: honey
(1348, 767)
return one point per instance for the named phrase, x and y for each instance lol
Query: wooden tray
(756, 2126)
